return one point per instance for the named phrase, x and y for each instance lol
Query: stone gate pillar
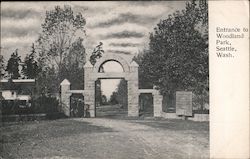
(133, 91)
(157, 103)
(89, 88)
(65, 97)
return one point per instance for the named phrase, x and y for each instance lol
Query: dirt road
(95, 138)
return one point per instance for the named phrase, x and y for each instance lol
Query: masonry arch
(92, 74)
(111, 57)
(111, 66)
(130, 74)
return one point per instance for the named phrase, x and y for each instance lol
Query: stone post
(157, 103)
(133, 91)
(65, 97)
(89, 88)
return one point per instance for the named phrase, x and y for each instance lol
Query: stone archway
(91, 74)
(130, 74)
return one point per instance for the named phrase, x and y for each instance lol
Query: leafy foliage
(61, 50)
(2, 67)
(144, 80)
(45, 104)
(30, 67)
(13, 65)
(47, 82)
(104, 100)
(177, 58)
(59, 32)
(120, 95)
(113, 98)
(178, 52)
(72, 67)
(97, 53)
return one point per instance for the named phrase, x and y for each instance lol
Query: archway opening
(111, 66)
(111, 99)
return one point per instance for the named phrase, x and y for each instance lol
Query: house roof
(19, 80)
(16, 84)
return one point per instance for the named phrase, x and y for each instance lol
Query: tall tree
(47, 82)
(60, 48)
(177, 58)
(61, 28)
(13, 65)
(30, 67)
(2, 67)
(72, 67)
(144, 80)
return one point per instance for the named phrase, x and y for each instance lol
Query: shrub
(45, 104)
(9, 107)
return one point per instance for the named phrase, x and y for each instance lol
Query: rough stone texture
(133, 91)
(170, 115)
(184, 103)
(157, 100)
(196, 117)
(65, 97)
(91, 74)
(89, 88)
(199, 117)
(157, 105)
(112, 57)
(130, 74)
(133, 98)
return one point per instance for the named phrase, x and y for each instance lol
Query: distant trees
(104, 100)
(120, 94)
(13, 65)
(58, 53)
(30, 67)
(2, 67)
(113, 98)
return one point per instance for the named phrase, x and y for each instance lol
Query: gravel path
(94, 138)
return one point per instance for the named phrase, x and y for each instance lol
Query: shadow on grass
(48, 130)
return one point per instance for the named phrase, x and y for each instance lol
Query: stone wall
(91, 74)
(196, 117)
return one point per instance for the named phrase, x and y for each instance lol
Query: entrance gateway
(91, 74)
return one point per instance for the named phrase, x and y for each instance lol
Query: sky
(108, 86)
(122, 27)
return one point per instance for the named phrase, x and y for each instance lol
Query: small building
(17, 89)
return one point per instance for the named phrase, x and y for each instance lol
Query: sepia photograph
(105, 79)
